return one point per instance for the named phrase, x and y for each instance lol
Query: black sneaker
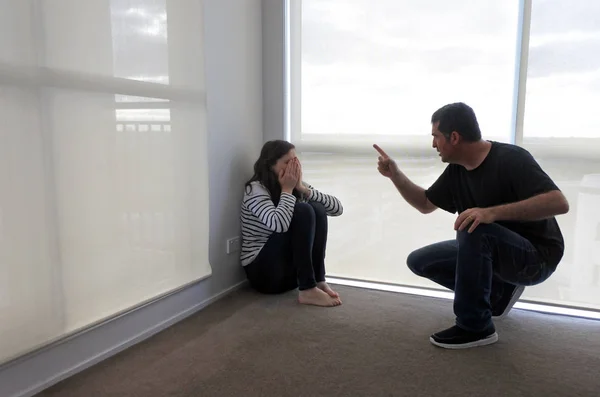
(503, 306)
(458, 338)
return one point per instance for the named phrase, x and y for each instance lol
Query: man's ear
(455, 138)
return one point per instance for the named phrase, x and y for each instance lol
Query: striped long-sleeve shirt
(260, 217)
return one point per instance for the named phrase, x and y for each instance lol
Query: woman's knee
(304, 212)
(319, 209)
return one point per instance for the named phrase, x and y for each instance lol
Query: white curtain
(365, 72)
(103, 161)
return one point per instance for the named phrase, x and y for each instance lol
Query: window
(102, 109)
(563, 90)
(364, 72)
(377, 70)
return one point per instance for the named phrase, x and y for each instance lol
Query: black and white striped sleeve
(332, 204)
(276, 219)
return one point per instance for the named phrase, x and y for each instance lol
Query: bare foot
(323, 286)
(316, 297)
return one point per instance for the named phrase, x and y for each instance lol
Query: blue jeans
(480, 268)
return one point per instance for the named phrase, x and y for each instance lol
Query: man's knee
(417, 261)
(464, 234)
(482, 233)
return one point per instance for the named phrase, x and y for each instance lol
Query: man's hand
(474, 217)
(413, 194)
(386, 165)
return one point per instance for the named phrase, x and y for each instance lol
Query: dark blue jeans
(296, 258)
(480, 267)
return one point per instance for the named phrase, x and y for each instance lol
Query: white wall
(234, 75)
(234, 85)
(273, 30)
(245, 83)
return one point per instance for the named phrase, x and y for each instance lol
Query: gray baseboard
(30, 375)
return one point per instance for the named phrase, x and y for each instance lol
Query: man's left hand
(473, 217)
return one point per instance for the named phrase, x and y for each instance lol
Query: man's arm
(537, 196)
(412, 193)
(542, 206)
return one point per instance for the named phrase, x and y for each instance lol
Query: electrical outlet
(233, 245)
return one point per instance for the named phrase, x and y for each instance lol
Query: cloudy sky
(382, 67)
(139, 31)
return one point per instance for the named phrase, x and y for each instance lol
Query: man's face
(442, 144)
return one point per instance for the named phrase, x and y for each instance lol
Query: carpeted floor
(375, 344)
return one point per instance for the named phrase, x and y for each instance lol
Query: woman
(284, 228)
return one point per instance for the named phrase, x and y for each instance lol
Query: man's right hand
(413, 194)
(385, 164)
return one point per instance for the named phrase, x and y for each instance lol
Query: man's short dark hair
(457, 117)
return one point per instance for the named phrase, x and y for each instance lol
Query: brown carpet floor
(376, 344)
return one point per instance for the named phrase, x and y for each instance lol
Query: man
(506, 233)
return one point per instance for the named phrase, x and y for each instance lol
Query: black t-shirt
(508, 174)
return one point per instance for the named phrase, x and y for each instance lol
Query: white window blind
(376, 70)
(364, 72)
(103, 170)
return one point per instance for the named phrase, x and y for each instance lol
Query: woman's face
(283, 161)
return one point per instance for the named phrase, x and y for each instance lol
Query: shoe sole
(493, 338)
(518, 292)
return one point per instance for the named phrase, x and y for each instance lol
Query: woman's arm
(259, 203)
(332, 204)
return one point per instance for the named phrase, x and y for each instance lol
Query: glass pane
(140, 42)
(103, 197)
(576, 282)
(377, 222)
(101, 208)
(375, 70)
(383, 67)
(560, 128)
(144, 40)
(563, 78)
(124, 194)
